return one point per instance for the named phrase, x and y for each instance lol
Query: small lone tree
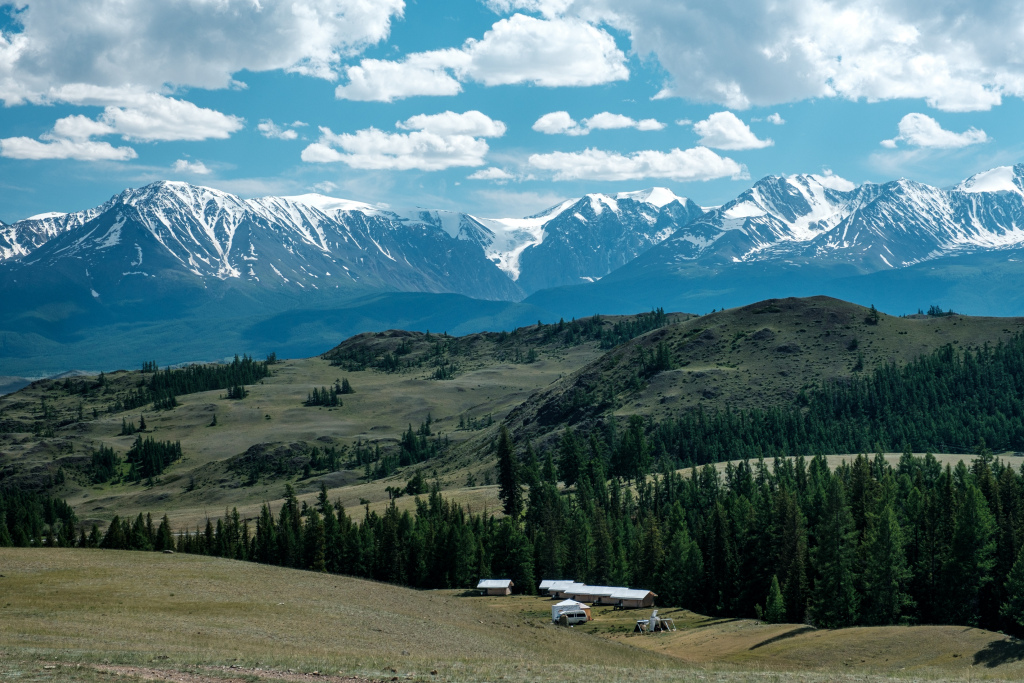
(775, 606)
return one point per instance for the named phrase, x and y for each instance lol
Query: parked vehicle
(572, 618)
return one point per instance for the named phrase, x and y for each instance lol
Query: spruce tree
(775, 606)
(886, 575)
(1013, 608)
(971, 558)
(835, 599)
(509, 476)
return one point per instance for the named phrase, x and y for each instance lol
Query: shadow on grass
(1000, 652)
(714, 621)
(782, 636)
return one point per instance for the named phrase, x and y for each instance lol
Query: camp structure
(627, 598)
(569, 606)
(495, 586)
(599, 594)
(655, 624)
(547, 585)
(559, 590)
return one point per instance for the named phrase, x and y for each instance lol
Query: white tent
(568, 606)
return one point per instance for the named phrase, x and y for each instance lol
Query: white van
(572, 618)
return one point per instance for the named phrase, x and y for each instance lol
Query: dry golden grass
(383, 406)
(834, 461)
(92, 615)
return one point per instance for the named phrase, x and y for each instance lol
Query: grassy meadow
(94, 615)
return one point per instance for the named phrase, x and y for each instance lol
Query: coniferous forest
(868, 543)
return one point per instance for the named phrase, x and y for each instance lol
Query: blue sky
(498, 107)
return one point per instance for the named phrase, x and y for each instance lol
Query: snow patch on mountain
(655, 196)
(999, 179)
(511, 236)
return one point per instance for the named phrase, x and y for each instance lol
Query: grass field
(201, 485)
(92, 615)
(754, 355)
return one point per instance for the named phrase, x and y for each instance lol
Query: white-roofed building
(495, 586)
(629, 598)
(546, 584)
(563, 589)
(590, 593)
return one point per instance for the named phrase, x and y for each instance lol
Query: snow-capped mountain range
(317, 243)
(322, 243)
(825, 221)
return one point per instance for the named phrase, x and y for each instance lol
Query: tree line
(195, 378)
(867, 543)
(949, 401)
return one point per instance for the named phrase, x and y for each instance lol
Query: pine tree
(971, 558)
(835, 598)
(142, 423)
(886, 575)
(775, 606)
(570, 460)
(1013, 608)
(509, 476)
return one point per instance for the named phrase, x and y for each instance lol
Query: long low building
(495, 586)
(627, 598)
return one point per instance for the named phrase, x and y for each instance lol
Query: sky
(500, 108)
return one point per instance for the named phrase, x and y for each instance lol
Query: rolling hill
(81, 615)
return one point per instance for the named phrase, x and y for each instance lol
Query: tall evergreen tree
(886, 574)
(510, 488)
(971, 558)
(835, 598)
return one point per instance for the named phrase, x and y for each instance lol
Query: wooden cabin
(495, 586)
(627, 598)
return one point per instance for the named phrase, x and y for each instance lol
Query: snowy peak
(332, 205)
(999, 179)
(655, 196)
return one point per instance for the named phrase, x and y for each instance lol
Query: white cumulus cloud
(155, 118)
(185, 43)
(920, 130)
(269, 129)
(191, 167)
(423, 73)
(473, 123)
(499, 175)
(763, 53)
(775, 119)
(131, 56)
(70, 138)
(436, 142)
(561, 123)
(518, 49)
(724, 130)
(63, 148)
(698, 163)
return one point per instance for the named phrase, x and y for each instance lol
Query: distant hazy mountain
(171, 262)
